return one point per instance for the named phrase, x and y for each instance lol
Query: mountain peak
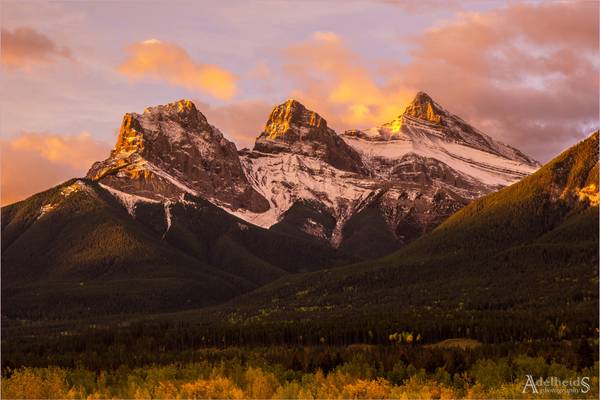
(292, 128)
(291, 101)
(422, 97)
(179, 106)
(291, 118)
(172, 149)
(424, 108)
(183, 111)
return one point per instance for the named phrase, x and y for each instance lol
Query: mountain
(426, 129)
(305, 180)
(74, 250)
(527, 254)
(530, 209)
(403, 178)
(177, 218)
(294, 129)
(83, 249)
(171, 150)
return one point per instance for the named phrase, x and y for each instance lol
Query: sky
(524, 72)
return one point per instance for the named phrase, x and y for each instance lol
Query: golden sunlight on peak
(151, 41)
(396, 125)
(184, 104)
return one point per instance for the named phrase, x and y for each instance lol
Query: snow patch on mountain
(420, 138)
(285, 178)
(168, 217)
(129, 201)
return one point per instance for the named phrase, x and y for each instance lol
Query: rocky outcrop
(424, 108)
(293, 128)
(170, 150)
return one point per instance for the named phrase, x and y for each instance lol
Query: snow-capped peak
(428, 129)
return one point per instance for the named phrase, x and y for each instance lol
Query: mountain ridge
(411, 182)
(450, 127)
(415, 165)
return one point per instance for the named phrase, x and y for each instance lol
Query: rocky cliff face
(425, 109)
(294, 129)
(172, 149)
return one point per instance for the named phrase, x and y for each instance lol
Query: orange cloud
(168, 61)
(32, 162)
(334, 81)
(24, 47)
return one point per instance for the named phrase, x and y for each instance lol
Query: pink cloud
(525, 73)
(32, 162)
(24, 47)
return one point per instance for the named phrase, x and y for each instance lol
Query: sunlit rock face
(293, 128)
(423, 108)
(170, 150)
(291, 121)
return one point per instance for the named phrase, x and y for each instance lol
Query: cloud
(24, 47)
(168, 61)
(32, 162)
(334, 81)
(526, 74)
(426, 6)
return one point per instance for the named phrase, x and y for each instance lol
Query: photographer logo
(554, 384)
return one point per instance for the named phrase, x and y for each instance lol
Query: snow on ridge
(65, 192)
(163, 174)
(471, 152)
(168, 217)
(285, 178)
(129, 201)
(487, 168)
